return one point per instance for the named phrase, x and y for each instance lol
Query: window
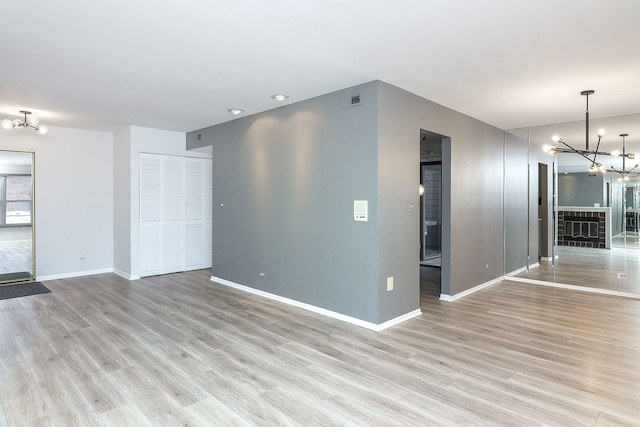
(15, 200)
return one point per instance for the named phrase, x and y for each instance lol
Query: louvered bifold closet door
(193, 212)
(175, 214)
(150, 215)
(173, 221)
(208, 212)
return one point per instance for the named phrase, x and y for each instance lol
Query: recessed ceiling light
(235, 111)
(280, 97)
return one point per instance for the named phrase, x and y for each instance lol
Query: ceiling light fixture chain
(29, 121)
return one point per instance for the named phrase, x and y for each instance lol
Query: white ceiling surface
(180, 65)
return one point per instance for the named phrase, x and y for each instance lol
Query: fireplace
(584, 228)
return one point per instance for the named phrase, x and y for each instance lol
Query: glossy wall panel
(17, 217)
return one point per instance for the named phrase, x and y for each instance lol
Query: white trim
(125, 275)
(319, 310)
(574, 287)
(546, 258)
(397, 320)
(450, 298)
(74, 274)
(518, 271)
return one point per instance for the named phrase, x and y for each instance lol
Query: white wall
(147, 140)
(122, 201)
(73, 199)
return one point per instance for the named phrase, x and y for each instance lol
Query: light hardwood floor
(593, 268)
(15, 256)
(179, 350)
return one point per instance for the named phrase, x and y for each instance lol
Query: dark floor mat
(22, 290)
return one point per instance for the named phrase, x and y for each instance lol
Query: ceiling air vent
(351, 100)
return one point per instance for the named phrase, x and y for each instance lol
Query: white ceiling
(180, 65)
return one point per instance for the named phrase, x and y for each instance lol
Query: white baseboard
(73, 274)
(574, 287)
(125, 275)
(518, 271)
(319, 310)
(397, 320)
(445, 297)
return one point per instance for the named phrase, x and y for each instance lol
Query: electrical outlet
(263, 274)
(486, 266)
(390, 283)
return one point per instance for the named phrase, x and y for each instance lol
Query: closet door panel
(150, 249)
(172, 247)
(208, 212)
(175, 214)
(194, 248)
(194, 181)
(150, 215)
(194, 214)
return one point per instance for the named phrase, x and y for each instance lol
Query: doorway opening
(431, 213)
(543, 213)
(431, 229)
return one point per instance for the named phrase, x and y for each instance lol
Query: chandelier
(590, 155)
(28, 122)
(624, 173)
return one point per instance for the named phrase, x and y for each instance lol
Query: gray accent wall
(284, 182)
(516, 202)
(581, 189)
(472, 186)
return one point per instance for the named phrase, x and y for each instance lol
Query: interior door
(17, 219)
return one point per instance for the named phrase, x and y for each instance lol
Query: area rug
(22, 290)
(9, 277)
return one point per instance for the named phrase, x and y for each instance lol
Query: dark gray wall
(283, 189)
(581, 189)
(287, 179)
(472, 182)
(516, 202)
